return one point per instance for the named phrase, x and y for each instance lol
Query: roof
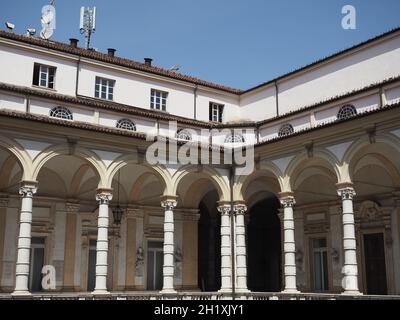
(163, 116)
(91, 54)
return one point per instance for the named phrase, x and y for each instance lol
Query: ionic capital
(224, 208)
(346, 191)
(287, 200)
(104, 196)
(239, 209)
(28, 189)
(169, 202)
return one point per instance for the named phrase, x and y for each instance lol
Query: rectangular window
(216, 111)
(104, 89)
(320, 265)
(158, 100)
(43, 76)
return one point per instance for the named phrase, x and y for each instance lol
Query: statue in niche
(139, 262)
(178, 262)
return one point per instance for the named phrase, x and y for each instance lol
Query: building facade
(84, 213)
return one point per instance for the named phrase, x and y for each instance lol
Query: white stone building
(317, 217)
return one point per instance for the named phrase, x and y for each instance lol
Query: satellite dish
(48, 21)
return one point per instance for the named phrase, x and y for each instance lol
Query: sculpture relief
(139, 262)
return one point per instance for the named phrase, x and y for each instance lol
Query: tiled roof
(91, 54)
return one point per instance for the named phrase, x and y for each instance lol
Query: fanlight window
(286, 130)
(346, 112)
(61, 112)
(234, 138)
(183, 134)
(126, 124)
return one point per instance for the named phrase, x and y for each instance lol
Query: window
(43, 76)
(183, 134)
(216, 111)
(104, 88)
(285, 130)
(126, 124)
(234, 138)
(158, 100)
(61, 112)
(346, 112)
(320, 264)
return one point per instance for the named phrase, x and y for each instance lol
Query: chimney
(73, 42)
(111, 52)
(147, 61)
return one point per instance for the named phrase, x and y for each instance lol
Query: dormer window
(61, 113)
(43, 76)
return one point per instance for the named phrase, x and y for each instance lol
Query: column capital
(28, 188)
(169, 202)
(287, 199)
(345, 191)
(4, 200)
(224, 208)
(72, 207)
(239, 208)
(104, 195)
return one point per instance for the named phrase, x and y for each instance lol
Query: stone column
(168, 203)
(226, 254)
(241, 257)
(350, 269)
(27, 190)
(289, 247)
(104, 197)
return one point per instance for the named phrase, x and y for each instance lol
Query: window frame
(344, 114)
(216, 111)
(285, 130)
(107, 84)
(124, 121)
(59, 109)
(38, 67)
(163, 98)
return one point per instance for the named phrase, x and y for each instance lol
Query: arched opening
(264, 246)
(64, 226)
(375, 172)
(264, 253)
(199, 193)
(209, 248)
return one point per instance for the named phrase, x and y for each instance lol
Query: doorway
(91, 275)
(264, 247)
(375, 265)
(36, 264)
(155, 259)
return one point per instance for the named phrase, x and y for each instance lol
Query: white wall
(16, 67)
(258, 105)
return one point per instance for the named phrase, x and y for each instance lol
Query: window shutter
(36, 71)
(221, 110)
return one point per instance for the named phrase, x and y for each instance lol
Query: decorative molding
(346, 193)
(28, 189)
(224, 209)
(72, 207)
(287, 201)
(104, 198)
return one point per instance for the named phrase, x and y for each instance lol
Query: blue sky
(232, 42)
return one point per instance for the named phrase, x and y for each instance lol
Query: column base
(242, 290)
(21, 294)
(352, 293)
(225, 290)
(168, 291)
(100, 293)
(291, 291)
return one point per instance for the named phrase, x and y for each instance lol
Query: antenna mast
(87, 23)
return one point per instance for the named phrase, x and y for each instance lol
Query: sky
(238, 43)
